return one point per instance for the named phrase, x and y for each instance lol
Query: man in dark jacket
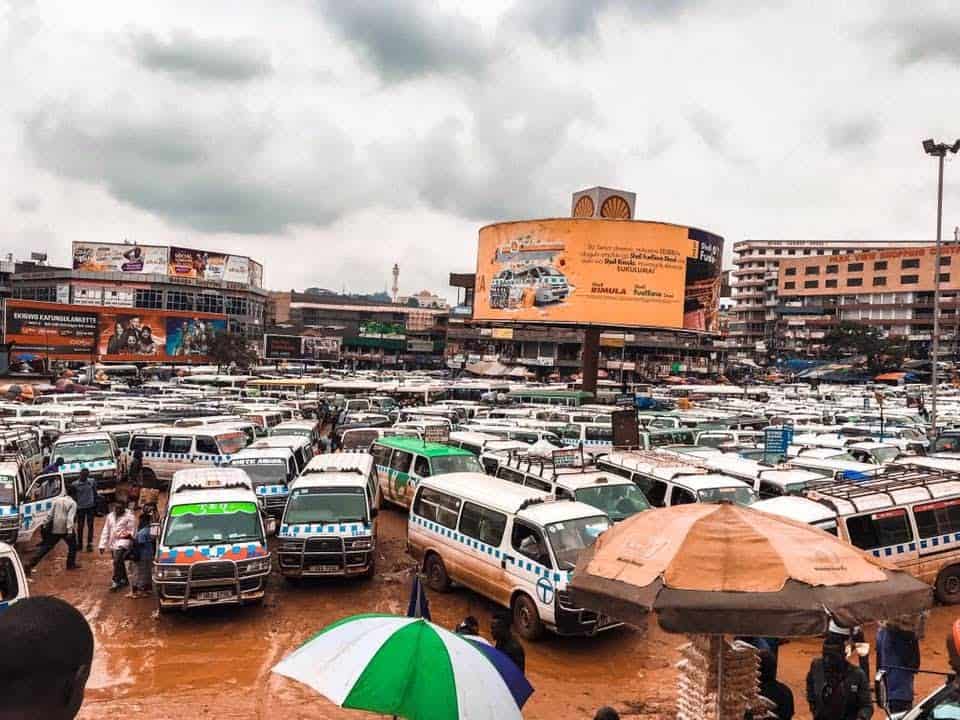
(505, 642)
(85, 491)
(837, 690)
(898, 652)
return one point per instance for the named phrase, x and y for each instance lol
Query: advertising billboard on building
(282, 347)
(130, 336)
(256, 274)
(322, 348)
(106, 257)
(50, 329)
(599, 272)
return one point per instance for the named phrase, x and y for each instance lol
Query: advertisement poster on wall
(237, 269)
(189, 337)
(282, 347)
(51, 329)
(197, 264)
(105, 257)
(256, 274)
(612, 273)
(322, 348)
(157, 336)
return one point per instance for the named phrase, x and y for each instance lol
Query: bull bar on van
(220, 581)
(326, 556)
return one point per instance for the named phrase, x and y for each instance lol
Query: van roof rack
(902, 477)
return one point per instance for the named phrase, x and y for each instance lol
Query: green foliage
(227, 348)
(849, 339)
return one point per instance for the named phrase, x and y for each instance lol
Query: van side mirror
(880, 690)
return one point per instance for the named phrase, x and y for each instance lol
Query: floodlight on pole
(939, 151)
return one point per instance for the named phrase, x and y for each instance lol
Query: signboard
(502, 333)
(626, 428)
(196, 264)
(589, 271)
(106, 257)
(422, 346)
(567, 457)
(147, 335)
(237, 269)
(626, 401)
(322, 348)
(436, 433)
(256, 274)
(51, 329)
(775, 443)
(282, 347)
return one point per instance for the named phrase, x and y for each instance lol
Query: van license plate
(324, 568)
(215, 595)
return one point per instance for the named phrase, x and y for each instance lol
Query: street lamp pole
(939, 151)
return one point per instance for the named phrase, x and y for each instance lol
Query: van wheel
(436, 572)
(526, 618)
(948, 585)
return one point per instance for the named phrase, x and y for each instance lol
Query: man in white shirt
(60, 525)
(119, 527)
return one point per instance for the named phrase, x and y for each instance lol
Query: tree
(850, 338)
(413, 302)
(227, 347)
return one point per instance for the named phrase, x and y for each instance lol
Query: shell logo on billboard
(599, 272)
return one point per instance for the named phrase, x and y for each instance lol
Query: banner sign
(436, 433)
(775, 443)
(51, 328)
(568, 457)
(282, 347)
(626, 428)
(105, 257)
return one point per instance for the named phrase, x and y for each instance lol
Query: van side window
(599, 434)
(615, 469)
(9, 587)
(510, 475)
(434, 505)
(878, 530)
(529, 542)
(45, 487)
(537, 484)
(401, 461)
(122, 440)
(489, 465)
(146, 443)
(421, 468)
(381, 455)
(682, 496)
(937, 518)
(657, 493)
(482, 524)
(206, 445)
(175, 444)
(769, 490)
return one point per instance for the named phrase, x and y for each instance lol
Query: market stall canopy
(728, 569)
(496, 369)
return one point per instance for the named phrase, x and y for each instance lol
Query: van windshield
(213, 524)
(263, 471)
(231, 443)
(83, 451)
(8, 494)
(326, 505)
(569, 537)
(617, 501)
(886, 454)
(454, 464)
(737, 495)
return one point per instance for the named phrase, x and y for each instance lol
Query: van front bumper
(326, 556)
(214, 582)
(9, 529)
(571, 620)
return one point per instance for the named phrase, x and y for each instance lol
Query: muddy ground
(216, 664)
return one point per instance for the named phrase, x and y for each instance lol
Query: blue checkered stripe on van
(93, 465)
(520, 563)
(7, 510)
(950, 539)
(305, 529)
(272, 489)
(198, 457)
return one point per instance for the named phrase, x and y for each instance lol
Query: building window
(806, 252)
(791, 252)
(809, 284)
(880, 265)
(210, 303)
(236, 306)
(177, 300)
(832, 269)
(909, 279)
(41, 294)
(944, 277)
(812, 270)
(854, 282)
(945, 260)
(789, 286)
(910, 264)
(148, 299)
(854, 267)
(879, 281)
(831, 283)
(790, 271)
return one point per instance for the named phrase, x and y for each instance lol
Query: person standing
(505, 642)
(85, 491)
(898, 653)
(119, 528)
(60, 526)
(772, 689)
(837, 690)
(144, 547)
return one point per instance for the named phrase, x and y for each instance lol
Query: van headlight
(254, 566)
(364, 543)
(172, 572)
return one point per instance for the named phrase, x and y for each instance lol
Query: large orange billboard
(599, 272)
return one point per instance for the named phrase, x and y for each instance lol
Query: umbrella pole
(719, 676)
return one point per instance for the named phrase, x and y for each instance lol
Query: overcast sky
(332, 138)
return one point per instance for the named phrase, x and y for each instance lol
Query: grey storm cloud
(193, 58)
(852, 134)
(189, 171)
(562, 20)
(405, 39)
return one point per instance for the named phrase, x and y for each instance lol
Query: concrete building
(890, 289)
(754, 285)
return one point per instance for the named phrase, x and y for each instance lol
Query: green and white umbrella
(401, 666)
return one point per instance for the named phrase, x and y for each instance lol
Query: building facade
(103, 275)
(754, 319)
(890, 289)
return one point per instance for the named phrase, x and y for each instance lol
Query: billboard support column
(591, 359)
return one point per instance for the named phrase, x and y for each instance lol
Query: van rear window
(938, 518)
